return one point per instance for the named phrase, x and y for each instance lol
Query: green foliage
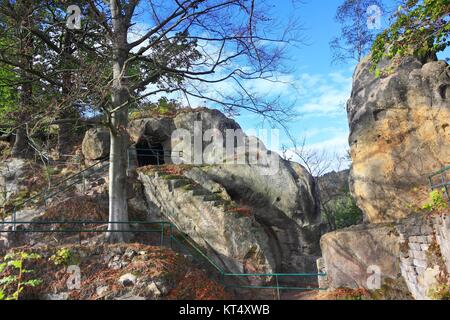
(8, 93)
(347, 213)
(420, 28)
(440, 292)
(164, 107)
(343, 211)
(13, 275)
(437, 201)
(61, 257)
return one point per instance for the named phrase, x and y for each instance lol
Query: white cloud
(324, 95)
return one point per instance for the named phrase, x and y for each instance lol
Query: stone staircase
(233, 240)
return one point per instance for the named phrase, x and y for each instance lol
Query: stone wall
(424, 259)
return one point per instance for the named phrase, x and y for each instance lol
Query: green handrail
(444, 183)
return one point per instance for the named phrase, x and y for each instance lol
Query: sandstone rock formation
(349, 254)
(400, 134)
(96, 144)
(276, 224)
(12, 173)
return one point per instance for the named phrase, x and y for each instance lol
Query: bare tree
(319, 163)
(356, 38)
(182, 45)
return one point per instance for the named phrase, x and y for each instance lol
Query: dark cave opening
(149, 154)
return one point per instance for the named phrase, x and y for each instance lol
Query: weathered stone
(406, 261)
(420, 239)
(349, 253)
(322, 269)
(442, 226)
(419, 255)
(57, 296)
(101, 291)
(414, 246)
(153, 290)
(12, 172)
(400, 133)
(127, 280)
(96, 144)
(281, 228)
(130, 296)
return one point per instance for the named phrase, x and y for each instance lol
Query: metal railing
(181, 239)
(443, 184)
(58, 188)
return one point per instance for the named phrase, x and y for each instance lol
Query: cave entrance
(149, 154)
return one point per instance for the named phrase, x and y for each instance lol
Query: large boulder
(400, 134)
(277, 226)
(352, 255)
(96, 144)
(12, 174)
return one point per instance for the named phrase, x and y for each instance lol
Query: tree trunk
(20, 147)
(118, 206)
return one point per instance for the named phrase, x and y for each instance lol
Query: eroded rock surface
(400, 134)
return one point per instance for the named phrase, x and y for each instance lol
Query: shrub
(164, 107)
(61, 257)
(436, 201)
(343, 211)
(14, 276)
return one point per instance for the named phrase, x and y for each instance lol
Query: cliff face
(400, 134)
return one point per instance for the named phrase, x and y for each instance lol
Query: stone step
(178, 183)
(212, 197)
(199, 192)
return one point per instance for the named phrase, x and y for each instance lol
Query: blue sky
(322, 88)
(316, 88)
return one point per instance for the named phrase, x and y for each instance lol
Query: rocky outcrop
(275, 225)
(235, 241)
(251, 216)
(400, 134)
(12, 173)
(96, 144)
